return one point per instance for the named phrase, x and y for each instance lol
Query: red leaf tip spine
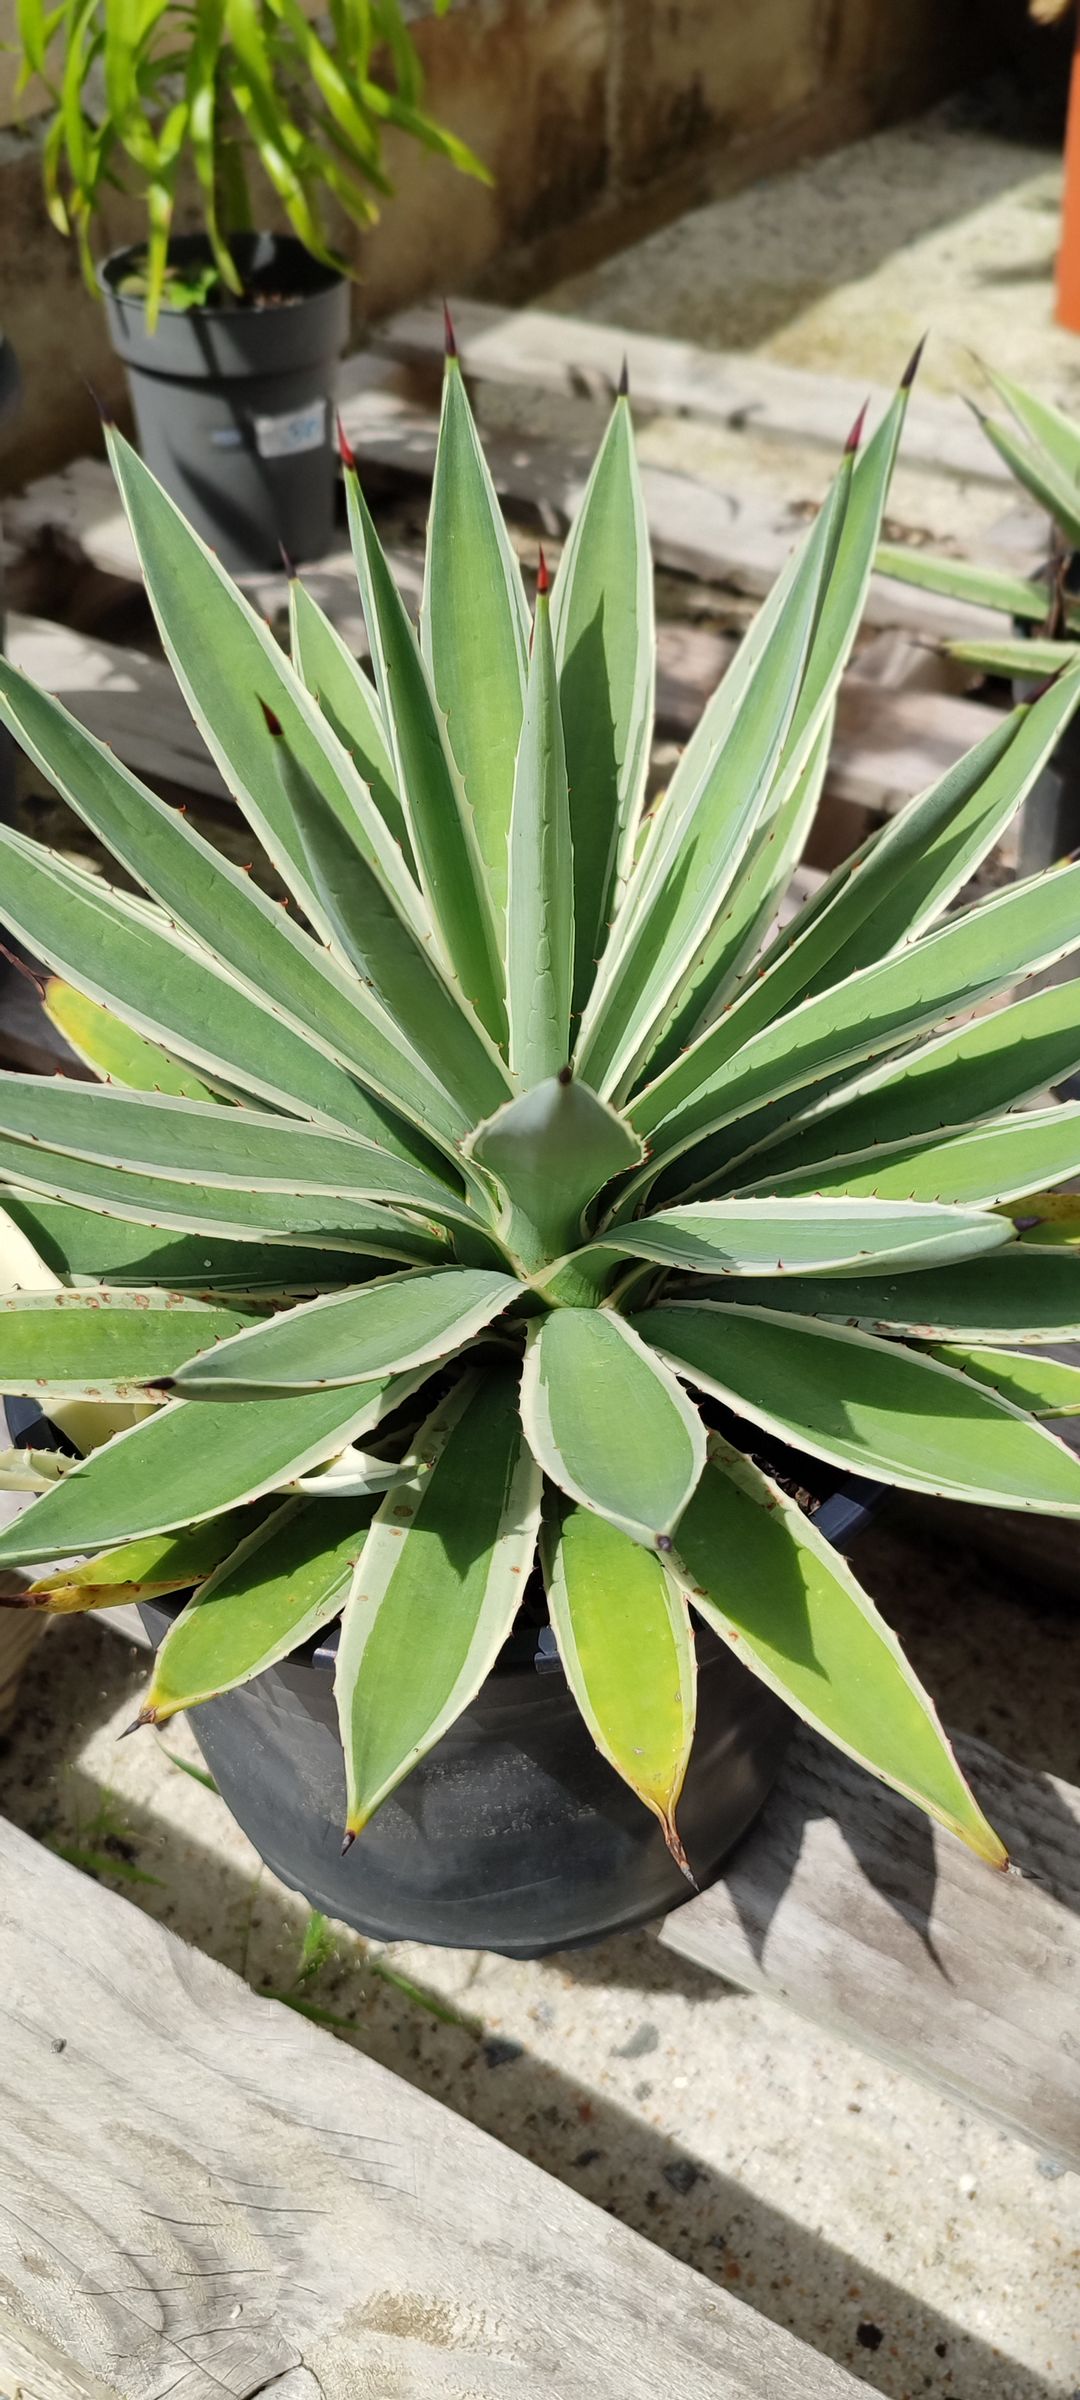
(543, 579)
(346, 452)
(855, 436)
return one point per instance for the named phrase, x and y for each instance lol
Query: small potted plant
(527, 1275)
(231, 335)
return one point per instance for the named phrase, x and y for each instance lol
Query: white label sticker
(284, 437)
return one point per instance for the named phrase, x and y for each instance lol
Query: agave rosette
(476, 1220)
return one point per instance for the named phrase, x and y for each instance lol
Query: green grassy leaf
(974, 955)
(146, 1570)
(227, 663)
(700, 840)
(189, 1140)
(245, 931)
(908, 872)
(114, 1052)
(271, 1226)
(125, 957)
(82, 1247)
(960, 579)
(1045, 1387)
(990, 1064)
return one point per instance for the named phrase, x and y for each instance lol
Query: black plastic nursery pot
(513, 1834)
(234, 401)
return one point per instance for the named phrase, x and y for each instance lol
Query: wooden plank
(126, 699)
(30, 2368)
(200, 2192)
(846, 1903)
(572, 356)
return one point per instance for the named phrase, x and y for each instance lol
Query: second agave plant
(506, 1253)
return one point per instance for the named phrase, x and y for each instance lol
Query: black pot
(234, 404)
(9, 400)
(513, 1834)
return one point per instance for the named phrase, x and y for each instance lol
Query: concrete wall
(599, 119)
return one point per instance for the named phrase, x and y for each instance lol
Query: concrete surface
(945, 226)
(925, 2251)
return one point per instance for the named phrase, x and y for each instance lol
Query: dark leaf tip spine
(102, 406)
(271, 721)
(623, 386)
(913, 365)
(146, 1716)
(566, 1075)
(449, 336)
(855, 436)
(347, 1842)
(543, 578)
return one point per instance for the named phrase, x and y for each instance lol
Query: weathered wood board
(573, 355)
(201, 2193)
(845, 1902)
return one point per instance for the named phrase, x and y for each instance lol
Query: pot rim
(318, 279)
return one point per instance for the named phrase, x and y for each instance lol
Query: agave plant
(1042, 449)
(507, 1211)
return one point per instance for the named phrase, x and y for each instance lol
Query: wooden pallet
(201, 2193)
(844, 1902)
